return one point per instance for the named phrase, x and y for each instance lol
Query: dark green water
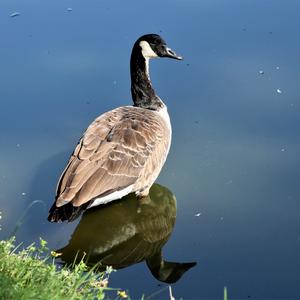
(234, 164)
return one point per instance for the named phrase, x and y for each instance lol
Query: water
(234, 160)
(127, 232)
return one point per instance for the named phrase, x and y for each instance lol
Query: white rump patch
(113, 196)
(147, 51)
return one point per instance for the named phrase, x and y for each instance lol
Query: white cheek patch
(147, 50)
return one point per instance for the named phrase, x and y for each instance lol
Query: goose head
(154, 46)
(146, 47)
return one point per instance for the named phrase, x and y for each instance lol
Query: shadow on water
(127, 232)
(45, 179)
(42, 189)
(119, 234)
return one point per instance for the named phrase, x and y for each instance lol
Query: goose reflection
(128, 232)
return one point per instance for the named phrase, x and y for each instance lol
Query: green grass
(27, 274)
(225, 297)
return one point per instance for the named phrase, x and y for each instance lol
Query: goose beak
(171, 54)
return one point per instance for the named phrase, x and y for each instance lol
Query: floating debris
(277, 68)
(261, 72)
(279, 91)
(18, 145)
(198, 214)
(15, 14)
(282, 149)
(69, 9)
(23, 194)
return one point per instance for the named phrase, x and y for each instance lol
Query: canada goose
(128, 232)
(124, 149)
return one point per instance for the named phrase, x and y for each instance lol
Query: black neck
(143, 94)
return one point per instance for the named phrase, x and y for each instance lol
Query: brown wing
(111, 154)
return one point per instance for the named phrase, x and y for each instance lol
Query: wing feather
(112, 155)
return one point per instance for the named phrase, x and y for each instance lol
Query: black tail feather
(67, 212)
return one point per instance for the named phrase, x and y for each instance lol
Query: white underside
(113, 196)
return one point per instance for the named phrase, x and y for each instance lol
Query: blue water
(234, 164)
